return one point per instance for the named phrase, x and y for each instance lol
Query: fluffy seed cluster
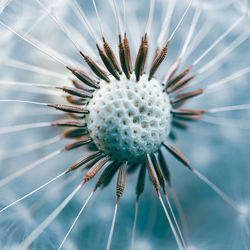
(128, 119)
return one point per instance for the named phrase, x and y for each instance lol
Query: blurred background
(218, 146)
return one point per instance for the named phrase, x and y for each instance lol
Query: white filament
(180, 210)
(201, 34)
(39, 91)
(230, 108)
(175, 221)
(228, 79)
(4, 4)
(27, 102)
(29, 84)
(166, 22)
(124, 14)
(17, 128)
(33, 43)
(234, 25)
(183, 16)
(240, 124)
(117, 16)
(28, 148)
(175, 66)
(60, 25)
(225, 197)
(48, 220)
(225, 51)
(98, 17)
(150, 17)
(112, 228)
(27, 168)
(36, 22)
(171, 224)
(83, 18)
(191, 31)
(134, 225)
(25, 66)
(32, 192)
(47, 196)
(84, 44)
(76, 219)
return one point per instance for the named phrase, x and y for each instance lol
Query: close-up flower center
(124, 122)
(128, 119)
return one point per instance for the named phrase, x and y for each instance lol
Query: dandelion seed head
(198, 143)
(128, 119)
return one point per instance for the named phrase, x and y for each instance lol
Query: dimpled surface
(128, 119)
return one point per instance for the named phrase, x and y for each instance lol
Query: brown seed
(77, 144)
(158, 60)
(108, 178)
(76, 116)
(69, 123)
(121, 181)
(187, 112)
(110, 67)
(184, 97)
(84, 160)
(69, 108)
(95, 169)
(76, 92)
(178, 86)
(91, 163)
(178, 155)
(80, 85)
(84, 78)
(145, 53)
(77, 100)
(152, 174)
(123, 58)
(158, 172)
(189, 118)
(141, 181)
(95, 68)
(75, 133)
(177, 78)
(127, 53)
(107, 172)
(164, 167)
(141, 58)
(138, 61)
(110, 55)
